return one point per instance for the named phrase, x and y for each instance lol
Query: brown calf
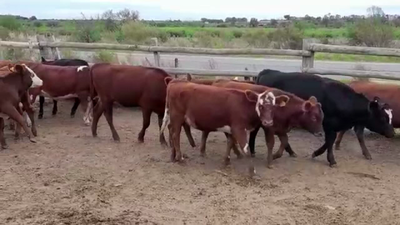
(63, 82)
(130, 86)
(13, 90)
(209, 108)
(296, 113)
(388, 93)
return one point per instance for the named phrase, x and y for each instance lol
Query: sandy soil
(69, 177)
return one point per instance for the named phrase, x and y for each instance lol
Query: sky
(193, 10)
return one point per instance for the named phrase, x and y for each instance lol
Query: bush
(257, 38)
(137, 33)
(88, 32)
(372, 32)
(287, 38)
(10, 23)
(37, 24)
(4, 34)
(104, 56)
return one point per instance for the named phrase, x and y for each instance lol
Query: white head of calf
(36, 81)
(265, 104)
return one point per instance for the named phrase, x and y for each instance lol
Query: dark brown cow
(63, 82)
(13, 90)
(130, 86)
(297, 113)
(388, 93)
(208, 108)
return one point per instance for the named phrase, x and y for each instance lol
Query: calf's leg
(11, 111)
(86, 107)
(283, 138)
(160, 122)
(55, 107)
(108, 113)
(204, 136)
(252, 141)
(229, 145)
(97, 112)
(146, 123)
(240, 135)
(270, 140)
(186, 128)
(360, 137)
(339, 138)
(330, 137)
(75, 107)
(27, 107)
(176, 126)
(2, 139)
(41, 103)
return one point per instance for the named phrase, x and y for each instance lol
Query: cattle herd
(275, 102)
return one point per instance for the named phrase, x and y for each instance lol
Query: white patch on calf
(270, 98)
(36, 81)
(246, 149)
(27, 119)
(81, 68)
(225, 129)
(390, 115)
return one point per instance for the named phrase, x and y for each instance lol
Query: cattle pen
(70, 177)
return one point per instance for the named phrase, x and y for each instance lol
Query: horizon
(159, 10)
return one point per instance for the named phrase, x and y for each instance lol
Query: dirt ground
(69, 177)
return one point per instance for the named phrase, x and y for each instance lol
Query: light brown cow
(209, 108)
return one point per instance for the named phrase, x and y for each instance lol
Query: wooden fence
(307, 54)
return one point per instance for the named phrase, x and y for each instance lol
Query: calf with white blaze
(13, 91)
(343, 107)
(209, 108)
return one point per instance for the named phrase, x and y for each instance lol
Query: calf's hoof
(293, 155)
(4, 147)
(276, 156)
(368, 156)
(33, 140)
(40, 116)
(72, 116)
(313, 155)
(333, 164)
(253, 155)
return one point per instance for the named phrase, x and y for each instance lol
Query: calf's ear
(373, 105)
(282, 100)
(313, 100)
(251, 96)
(19, 68)
(307, 106)
(167, 80)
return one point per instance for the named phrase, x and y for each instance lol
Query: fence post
(156, 54)
(45, 52)
(1, 52)
(176, 66)
(308, 61)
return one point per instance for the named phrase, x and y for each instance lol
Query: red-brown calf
(297, 113)
(130, 86)
(13, 88)
(63, 82)
(209, 108)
